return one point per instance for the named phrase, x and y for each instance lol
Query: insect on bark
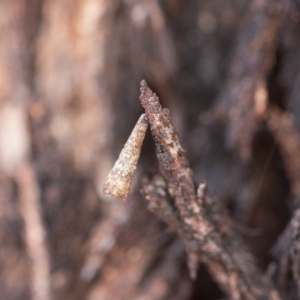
(119, 179)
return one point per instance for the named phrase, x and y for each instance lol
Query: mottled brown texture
(119, 179)
(69, 77)
(200, 221)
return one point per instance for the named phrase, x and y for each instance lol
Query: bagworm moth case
(119, 179)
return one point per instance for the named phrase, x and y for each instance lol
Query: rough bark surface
(204, 226)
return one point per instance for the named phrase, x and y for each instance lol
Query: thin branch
(287, 252)
(243, 99)
(35, 234)
(201, 223)
(287, 248)
(282, 125)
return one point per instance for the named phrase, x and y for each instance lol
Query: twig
(287, 248)
(282, 125)
(287, 252)
(243, 100)
(35, 235)
(202, 224)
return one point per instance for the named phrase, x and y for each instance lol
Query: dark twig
(287, 248)
(282, 125)
(201, 223)
(243, 99)
(287, 252)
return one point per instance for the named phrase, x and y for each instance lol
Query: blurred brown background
(69, 86)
